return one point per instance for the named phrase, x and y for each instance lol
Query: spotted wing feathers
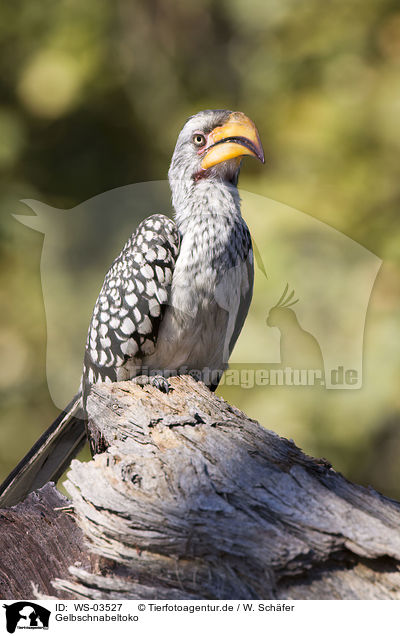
(132, 301)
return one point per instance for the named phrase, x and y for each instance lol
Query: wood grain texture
(39, 541)
(192, 499)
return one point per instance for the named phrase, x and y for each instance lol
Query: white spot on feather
(151, 288)
(102, 358)
(161, 295)
(130, 286)
(114, 322)
(127, 326)
(155, 309)
(145, 326)
(103, 330)
(131, 299)
(129, 347)
(147, 271)
(151, 255)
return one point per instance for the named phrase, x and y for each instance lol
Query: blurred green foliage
(93, 95)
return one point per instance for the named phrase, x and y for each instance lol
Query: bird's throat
(213, 202)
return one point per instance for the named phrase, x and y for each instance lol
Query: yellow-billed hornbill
(175, 299)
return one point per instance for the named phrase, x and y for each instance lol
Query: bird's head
(211, 146)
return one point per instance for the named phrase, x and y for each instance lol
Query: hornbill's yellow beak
(236, 138)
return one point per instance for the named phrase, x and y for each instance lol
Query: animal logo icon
(26, 615)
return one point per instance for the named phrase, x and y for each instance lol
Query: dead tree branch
(192, 499)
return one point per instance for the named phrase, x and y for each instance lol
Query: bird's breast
(210, 278)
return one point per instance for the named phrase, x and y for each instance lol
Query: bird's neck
(195, 202)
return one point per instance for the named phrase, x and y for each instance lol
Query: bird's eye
(199, 140)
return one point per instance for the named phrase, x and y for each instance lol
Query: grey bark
(39, 539)
(192, 499)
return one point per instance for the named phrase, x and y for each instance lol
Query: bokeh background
(92, 97)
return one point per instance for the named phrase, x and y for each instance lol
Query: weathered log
(38, 541)
(192, 499)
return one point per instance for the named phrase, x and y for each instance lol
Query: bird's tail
(49, 457)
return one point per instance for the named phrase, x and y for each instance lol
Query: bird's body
(191, 302)
(198, 326)
(175, 299)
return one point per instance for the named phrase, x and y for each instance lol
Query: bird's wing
(132, 301)
(246, 290)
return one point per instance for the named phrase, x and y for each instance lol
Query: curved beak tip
(238, 137)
